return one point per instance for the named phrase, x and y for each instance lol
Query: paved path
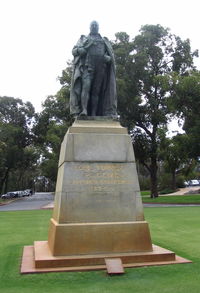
(45, 200)
(183, 191)
(34, 202)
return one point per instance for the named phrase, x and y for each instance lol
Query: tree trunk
(174, 180)
(4, 182)
(154, 178)
(19, 182)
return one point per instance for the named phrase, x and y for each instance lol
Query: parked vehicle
(186, 183)
(194, 182)
(15, 193)
(21, 193)
(8, 195)
(28, 192)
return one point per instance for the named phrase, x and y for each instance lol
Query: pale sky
(37, 36)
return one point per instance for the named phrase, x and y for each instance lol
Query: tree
(52, 124)
(187, 105)
(175, 153)
(16, 119)
(150, 59)
(127, 88)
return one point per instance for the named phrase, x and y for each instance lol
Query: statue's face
(94, 27)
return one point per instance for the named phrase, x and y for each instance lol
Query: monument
(93, 90)
(98, 212)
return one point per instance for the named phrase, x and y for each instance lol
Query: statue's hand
(82, 51)
(107, 58)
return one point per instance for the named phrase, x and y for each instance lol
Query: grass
(7, 200)
(174, 199)
(4, 201)
(145, 193)
(173, 228)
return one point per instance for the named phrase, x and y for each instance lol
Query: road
(45, 199)
(34, 202)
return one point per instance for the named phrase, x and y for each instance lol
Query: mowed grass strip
(174, 199)
(173, 228)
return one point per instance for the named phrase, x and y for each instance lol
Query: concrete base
(98, 212)
(38, 259)
(95, 238)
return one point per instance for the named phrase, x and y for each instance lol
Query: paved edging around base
(96, 262)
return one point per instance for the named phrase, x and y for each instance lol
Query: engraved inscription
(100, 188)
(101, 177)
(83, 181)
(92, 167)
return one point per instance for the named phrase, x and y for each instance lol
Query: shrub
(144, 183)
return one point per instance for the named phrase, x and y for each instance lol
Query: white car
(8, 195)
(194, 182)
(186, 183)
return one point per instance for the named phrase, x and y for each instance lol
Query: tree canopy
(146, 94)
(16, 120)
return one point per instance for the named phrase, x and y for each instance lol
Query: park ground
(174, 228)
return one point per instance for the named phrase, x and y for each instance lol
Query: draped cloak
(107, 99)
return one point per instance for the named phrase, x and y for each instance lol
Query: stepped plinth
(98, 211)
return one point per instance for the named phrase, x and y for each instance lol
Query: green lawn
(173, 228)
(174, 199)
(145, 193)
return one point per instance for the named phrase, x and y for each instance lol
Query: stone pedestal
(98, 211)
(98, 205)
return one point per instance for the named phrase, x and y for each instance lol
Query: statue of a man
(93, 89)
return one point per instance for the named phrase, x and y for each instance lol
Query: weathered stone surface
(94, 238)
(100, 124)
(87, 147)
(98, 212)
(98, 206)
(39, 259)
(96, 141)
(114, 266)
(100, 192)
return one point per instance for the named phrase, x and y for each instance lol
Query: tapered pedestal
(98, 211)
(98, 206)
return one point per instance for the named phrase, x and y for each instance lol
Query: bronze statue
(93, 89)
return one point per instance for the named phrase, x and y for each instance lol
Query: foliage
(126, 85)
(167, 191)
(145, 87)
(23, 177)
(187, 105)
(144, 183)
(164, 181)
(180, 181)
(175, 153)
(52, 124)
(16, 120)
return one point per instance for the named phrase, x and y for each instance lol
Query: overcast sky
(37, 36)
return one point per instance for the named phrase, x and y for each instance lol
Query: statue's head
(94, 27)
